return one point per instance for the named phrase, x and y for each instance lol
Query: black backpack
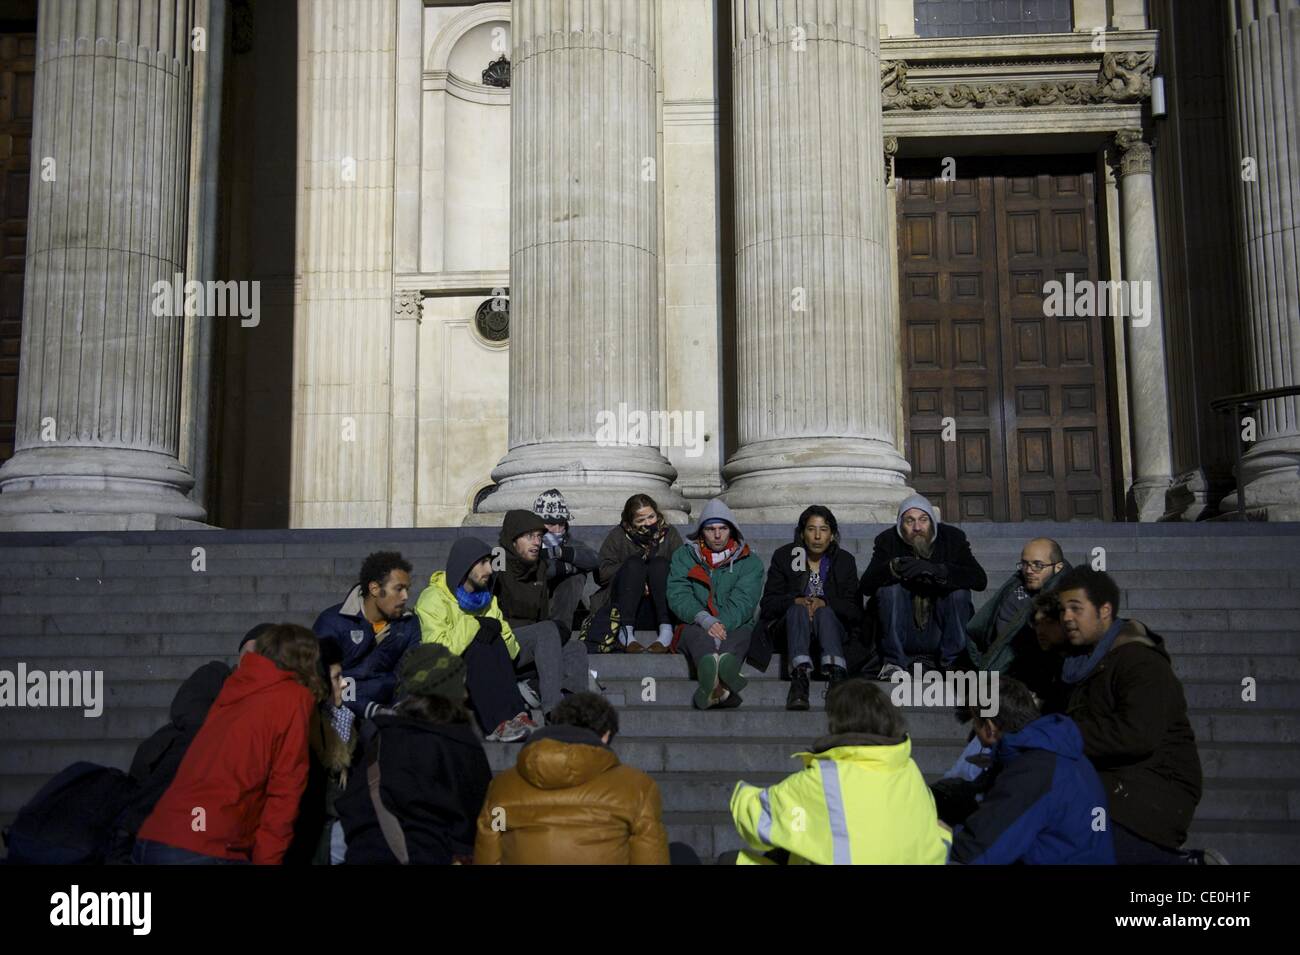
(73, 819)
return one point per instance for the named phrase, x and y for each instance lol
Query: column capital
(1135, 152)
(408, 305)
(891, 153)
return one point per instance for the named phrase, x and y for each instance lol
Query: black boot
(798, 698)
(834, 676)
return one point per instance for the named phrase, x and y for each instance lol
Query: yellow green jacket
(442, 620)
(855, 802)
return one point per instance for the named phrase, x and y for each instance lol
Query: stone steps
(1226, 598)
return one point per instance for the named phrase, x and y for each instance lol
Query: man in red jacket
(236, 794)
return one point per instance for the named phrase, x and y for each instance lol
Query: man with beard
(921, 574)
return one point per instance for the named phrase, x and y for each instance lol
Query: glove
(489, 631)
(912, 569)
(552, 541)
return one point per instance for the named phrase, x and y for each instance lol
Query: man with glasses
(523, 593)
(1001, 635)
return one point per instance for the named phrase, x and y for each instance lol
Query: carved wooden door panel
(1005, 408)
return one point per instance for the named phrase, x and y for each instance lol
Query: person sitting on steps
(715, 583)
(633, 575)
(812, 595)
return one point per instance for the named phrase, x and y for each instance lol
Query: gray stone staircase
(1225, 596)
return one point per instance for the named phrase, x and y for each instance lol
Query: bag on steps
(73, 819)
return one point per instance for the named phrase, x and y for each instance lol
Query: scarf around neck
(1077, 669)
(472, 601)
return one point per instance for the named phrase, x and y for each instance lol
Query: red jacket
(246, 770)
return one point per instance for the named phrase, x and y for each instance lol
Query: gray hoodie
(714, 510)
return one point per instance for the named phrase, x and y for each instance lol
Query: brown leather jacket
(570, 801)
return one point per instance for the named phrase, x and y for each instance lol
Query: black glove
(910, 568)
(925, 569)
(489, 631)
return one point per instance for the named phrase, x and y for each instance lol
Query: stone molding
(1122, 77)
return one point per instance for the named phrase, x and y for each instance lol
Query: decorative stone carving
(891, 153)
(1122, 78)
(492, 320)
(498, 73)
(408, 305)
(1135, 152)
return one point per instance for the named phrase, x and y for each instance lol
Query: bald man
(1002, 634)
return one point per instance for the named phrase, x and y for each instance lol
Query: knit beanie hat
(550, 506)
(430, 669)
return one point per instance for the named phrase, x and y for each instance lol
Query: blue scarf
(1077, 669)
(472, 602)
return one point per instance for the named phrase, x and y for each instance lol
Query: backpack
(600, 631)
(72, 820)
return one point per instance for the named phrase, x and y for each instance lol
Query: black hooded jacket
(159, 757)
(521, 589)
(431, 782)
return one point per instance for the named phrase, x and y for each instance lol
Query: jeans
(490, 679)
(1132, 849)
(559, 666)
(147, 852)
(697, 643)
(825, 627)
(943, 639)
(565, 597)
(628, 594)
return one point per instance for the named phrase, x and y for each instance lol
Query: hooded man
(458, 610)
(921, 574)
(1002, 634)
(569, 563)
(523, 593)
(715, 583)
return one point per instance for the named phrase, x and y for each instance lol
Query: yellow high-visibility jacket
(442, 620)
(854, 803)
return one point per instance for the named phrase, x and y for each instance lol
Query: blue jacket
(371, 664)
(1042, 808)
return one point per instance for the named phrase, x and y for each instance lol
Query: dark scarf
(1079, 668)
(922, 605)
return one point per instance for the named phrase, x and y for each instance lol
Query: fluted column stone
(100, 371)
(818, 346)
(1145, 334)
(1264, 66)
(584, 239)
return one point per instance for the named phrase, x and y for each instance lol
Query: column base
(1148, 498)
(96, 489)
(861, 480)
(1271, 475)
(595, 480)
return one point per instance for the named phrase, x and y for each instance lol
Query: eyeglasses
(1037, 566)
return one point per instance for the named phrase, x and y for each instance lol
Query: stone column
(100, 373)
(343, 329)
(818, 347)
(584, 349)
(1264, 65)
(1145, 335)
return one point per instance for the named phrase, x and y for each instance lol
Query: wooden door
(1005, 407)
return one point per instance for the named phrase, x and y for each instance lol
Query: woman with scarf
(812, 596)
(633, 574)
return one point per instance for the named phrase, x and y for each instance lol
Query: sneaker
(706, 673)
(729, 672)
(530, 695)
(507, 731)
(888, 670)
(526, 722)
